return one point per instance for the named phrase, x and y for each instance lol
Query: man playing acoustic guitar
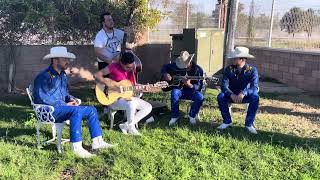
(190, 90)
(119, 71)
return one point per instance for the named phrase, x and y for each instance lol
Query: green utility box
(206, 43)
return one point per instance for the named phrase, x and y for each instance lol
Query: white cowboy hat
(240, 52)
(59, 52)
(184, 59)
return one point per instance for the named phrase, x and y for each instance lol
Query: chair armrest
(48, 107)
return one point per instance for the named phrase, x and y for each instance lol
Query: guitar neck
(143, 86)
(137, 87)
(190, 77)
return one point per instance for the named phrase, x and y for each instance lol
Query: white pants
(131, 107)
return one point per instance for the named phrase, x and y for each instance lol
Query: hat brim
(240, 55)
(184, 64)
(68, 55)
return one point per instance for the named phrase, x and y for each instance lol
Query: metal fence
(296, 24)
(182, 14)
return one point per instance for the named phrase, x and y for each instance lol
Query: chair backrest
(29, 92)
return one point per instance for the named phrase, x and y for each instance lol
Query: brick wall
(296, 68)
(29, 63)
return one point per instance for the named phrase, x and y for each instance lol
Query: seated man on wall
(239, 85)
(190, 89)
(51, 88)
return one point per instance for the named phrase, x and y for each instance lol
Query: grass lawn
(287, 146)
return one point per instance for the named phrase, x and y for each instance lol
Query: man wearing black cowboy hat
(239, 85)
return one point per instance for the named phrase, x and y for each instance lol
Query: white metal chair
(44, 115)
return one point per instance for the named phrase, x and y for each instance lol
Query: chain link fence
(296, 24)
(180, 14)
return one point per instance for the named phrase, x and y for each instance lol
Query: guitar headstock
(212, 79)
(161, 84)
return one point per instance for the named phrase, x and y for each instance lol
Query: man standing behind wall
(109, 42)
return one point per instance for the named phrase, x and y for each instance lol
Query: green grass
(287, 146)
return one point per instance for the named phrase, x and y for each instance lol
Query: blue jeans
(75, 115)
(189, 94)
(224, 102)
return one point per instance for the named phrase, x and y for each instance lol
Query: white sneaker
(192, 120)
(172, 121)
(224, 126)
(80, 151)
(133, 131)
(124, 128)
(252, 130)
(99, 143)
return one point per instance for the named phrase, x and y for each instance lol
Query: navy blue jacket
(236, 80)
(51, 88)
(195, 70)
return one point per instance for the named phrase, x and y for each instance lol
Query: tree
(297, 20)
(12, 31)
(242, 21)
(66, 22)
(292, 21)
(179, 13)
(251, 24)
(75, 22)
(310, 21)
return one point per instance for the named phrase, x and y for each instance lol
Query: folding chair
(44, 115)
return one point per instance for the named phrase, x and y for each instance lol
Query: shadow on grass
(12, 134)
(308, 99)
(241, 133)
(17, 99)
(287, 111)
(17, 114)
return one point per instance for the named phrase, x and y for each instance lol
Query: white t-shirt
(110, 42)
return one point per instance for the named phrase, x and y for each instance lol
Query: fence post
(271, 25)
(231, 27)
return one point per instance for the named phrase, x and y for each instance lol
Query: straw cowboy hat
(240, 52)
(59, 52)
(184, 59)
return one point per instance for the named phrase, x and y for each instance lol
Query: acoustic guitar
(106, 96)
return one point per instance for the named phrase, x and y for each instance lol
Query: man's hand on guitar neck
(167, 77)
(187, 82)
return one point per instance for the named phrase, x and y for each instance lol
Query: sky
(263, 6)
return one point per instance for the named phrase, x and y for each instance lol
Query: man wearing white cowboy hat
(51, 88)
(191, 89)
(239, 85)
